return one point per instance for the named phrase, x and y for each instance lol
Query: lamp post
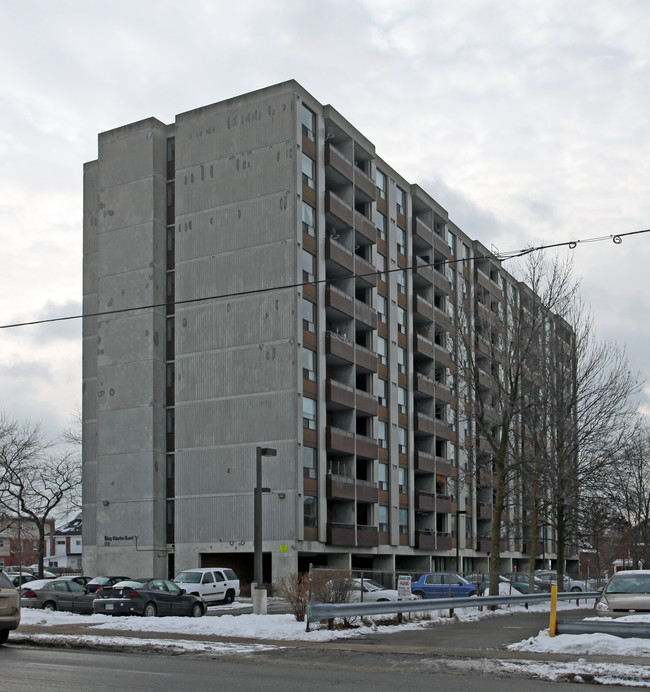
(257, 513)
(458, 513)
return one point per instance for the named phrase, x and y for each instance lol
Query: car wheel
(197, 611)
(575, 588)
(4, 635)
(150, 610)
(49, 605)
(419, 594)
(230, 596)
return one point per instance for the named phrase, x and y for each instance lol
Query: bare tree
(36, 478)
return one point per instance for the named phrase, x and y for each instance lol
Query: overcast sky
(527, 121)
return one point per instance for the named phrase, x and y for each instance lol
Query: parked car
(103, 582)
(213, 584)
(9, 608)
(442, 585)
(625, 593)
(148, 597)
(19, 578)
(370, 590)
(520, 582)
(550, 578)
(57, 594)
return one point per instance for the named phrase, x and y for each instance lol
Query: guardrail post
(552, 628)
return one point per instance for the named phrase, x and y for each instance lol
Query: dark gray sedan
(148, 597)
(57, 594)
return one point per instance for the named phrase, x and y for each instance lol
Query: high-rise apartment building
(256, 276)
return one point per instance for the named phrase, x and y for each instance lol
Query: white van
(213, 584)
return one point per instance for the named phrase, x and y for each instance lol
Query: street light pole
(458, 513)
(257, 513)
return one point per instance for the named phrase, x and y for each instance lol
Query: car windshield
(629, 583)
(372, 585)
(188, 577)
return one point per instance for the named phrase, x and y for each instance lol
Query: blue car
(442, 585)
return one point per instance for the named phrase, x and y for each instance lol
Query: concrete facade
(206, 244)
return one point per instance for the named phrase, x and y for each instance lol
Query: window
(309, 413)
(308, 172)
(309, 462)
(401, 320)
(207, 578)
(401, 201)
(382, 480)
(381, 266)
(401, 359)
(383, 519)
(381, 226)
(382, 350)
(309, 364)
(401, 281)
(401, 241)
(403, 521)
(402, 440)
(401, 399)
(308, 315)
(381, 185)
(308, 219)
(382, 308)
(381, 392)
(308, 266)
(308, 123)
(402, 480)
(382, 434)
(310, 507)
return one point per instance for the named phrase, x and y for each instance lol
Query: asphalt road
(28, 669)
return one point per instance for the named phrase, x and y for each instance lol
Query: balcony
(338, 350)
(339, 396)
(340, 534)
(338, 302)
(365, 314)
(444, 541)
(337, 440)
(342, 212)
(443, 357)
(366, 231)
(424, 424)
(365, 358)
(367, 491)
(423, 347)
(425, 539)
(444, 504)
(422, 310)
(444, 468)
(425, 502)
(441, 281)
(423, 386)
(422, 273)
(423, 462)
(527, 547)
(483, 544)
(422, 235)
(440, 246)
(367, 536)
(339, 261)
(342, 170)
(366, 273)
(484, 511)
(366, 403)
(366, 447)
(340, 487)
(366, 186)
(485, 479)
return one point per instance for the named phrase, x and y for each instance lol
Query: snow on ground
(270, 631)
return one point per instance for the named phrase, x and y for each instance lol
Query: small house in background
(64, 545)
(19, 540)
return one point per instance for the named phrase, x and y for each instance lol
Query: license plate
(110, 606)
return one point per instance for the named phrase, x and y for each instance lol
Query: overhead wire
(495, 255)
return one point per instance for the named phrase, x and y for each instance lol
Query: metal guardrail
(326, 611)
(618, 629)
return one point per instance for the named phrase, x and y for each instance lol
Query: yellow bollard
(552, 628)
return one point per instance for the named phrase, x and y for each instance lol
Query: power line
(499, 256)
